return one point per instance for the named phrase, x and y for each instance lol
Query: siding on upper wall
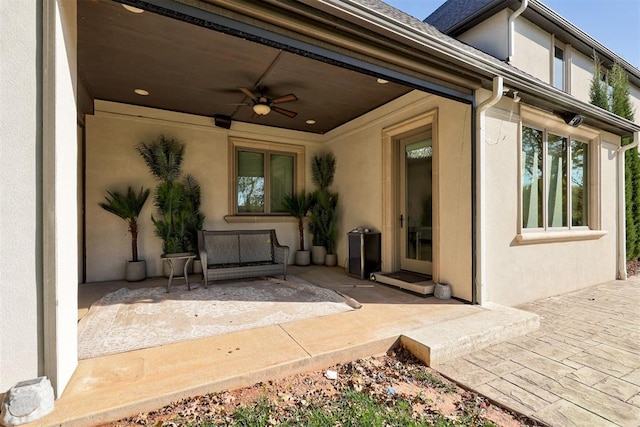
(532, 50)
(490, 36)
(581, 71)
(533, 53)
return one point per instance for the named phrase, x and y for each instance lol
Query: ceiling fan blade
(284, 98)
(287, 113)
(241, 103)
(247, 92)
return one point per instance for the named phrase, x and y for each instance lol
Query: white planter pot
(318, 254)
(303, 257)
(135, 271)
(331, 260)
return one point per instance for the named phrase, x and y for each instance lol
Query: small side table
(170, 259)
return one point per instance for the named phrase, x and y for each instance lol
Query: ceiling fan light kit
(261, 109)
(263, 105)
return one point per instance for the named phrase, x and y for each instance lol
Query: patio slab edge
(454, 338)
(246, 379)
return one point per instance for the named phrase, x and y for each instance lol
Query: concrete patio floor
(108, 388)
(581, 368)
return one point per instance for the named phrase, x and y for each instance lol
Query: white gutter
(512, 27)
(480, 294)
(622, 225)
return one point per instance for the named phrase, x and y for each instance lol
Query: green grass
(350, 409)
(428, 379)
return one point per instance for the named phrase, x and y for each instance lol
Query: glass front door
(416, 203)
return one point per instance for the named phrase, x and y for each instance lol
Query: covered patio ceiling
(192, 69)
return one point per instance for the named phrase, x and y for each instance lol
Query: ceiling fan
(263, 105)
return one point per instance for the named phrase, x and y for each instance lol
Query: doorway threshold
(414, 282)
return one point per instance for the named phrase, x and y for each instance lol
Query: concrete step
(448, 340)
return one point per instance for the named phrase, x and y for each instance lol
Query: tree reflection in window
(579, 172)
(532, 184)
(554, 175)
(557, 180)
(250, 196)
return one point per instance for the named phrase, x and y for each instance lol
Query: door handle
(401, 220)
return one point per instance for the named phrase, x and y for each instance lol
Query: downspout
(622, 225)
(480, 290)
(512, 27)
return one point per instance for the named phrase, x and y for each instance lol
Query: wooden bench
(235, 254)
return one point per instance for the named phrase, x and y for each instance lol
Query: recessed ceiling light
(382, 81)
(132, 9)
(141, 92)
(310, 122)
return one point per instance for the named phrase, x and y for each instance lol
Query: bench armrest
(280, 254)
(203, 255)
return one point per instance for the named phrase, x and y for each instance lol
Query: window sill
(259, 218)
(559, 236)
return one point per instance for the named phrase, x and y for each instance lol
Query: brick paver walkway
(581, 368)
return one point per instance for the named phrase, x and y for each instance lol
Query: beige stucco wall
(61, 217)
(20, 281)
(359, 179)
(582, 68)
(491, 36)
(532, 47)
(39, 211)
(112, 164)
(518, 273)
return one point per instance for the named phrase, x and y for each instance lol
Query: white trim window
(555, 180)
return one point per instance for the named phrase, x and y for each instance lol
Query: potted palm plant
(195, 218)
(128, 207)
(177, 199)
(331, 259)
(323, 168)
(298, 206)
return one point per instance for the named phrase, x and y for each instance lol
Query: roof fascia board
(424, 45)
(478, 63)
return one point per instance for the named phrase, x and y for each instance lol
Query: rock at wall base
(27, 401)
(442, 291)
